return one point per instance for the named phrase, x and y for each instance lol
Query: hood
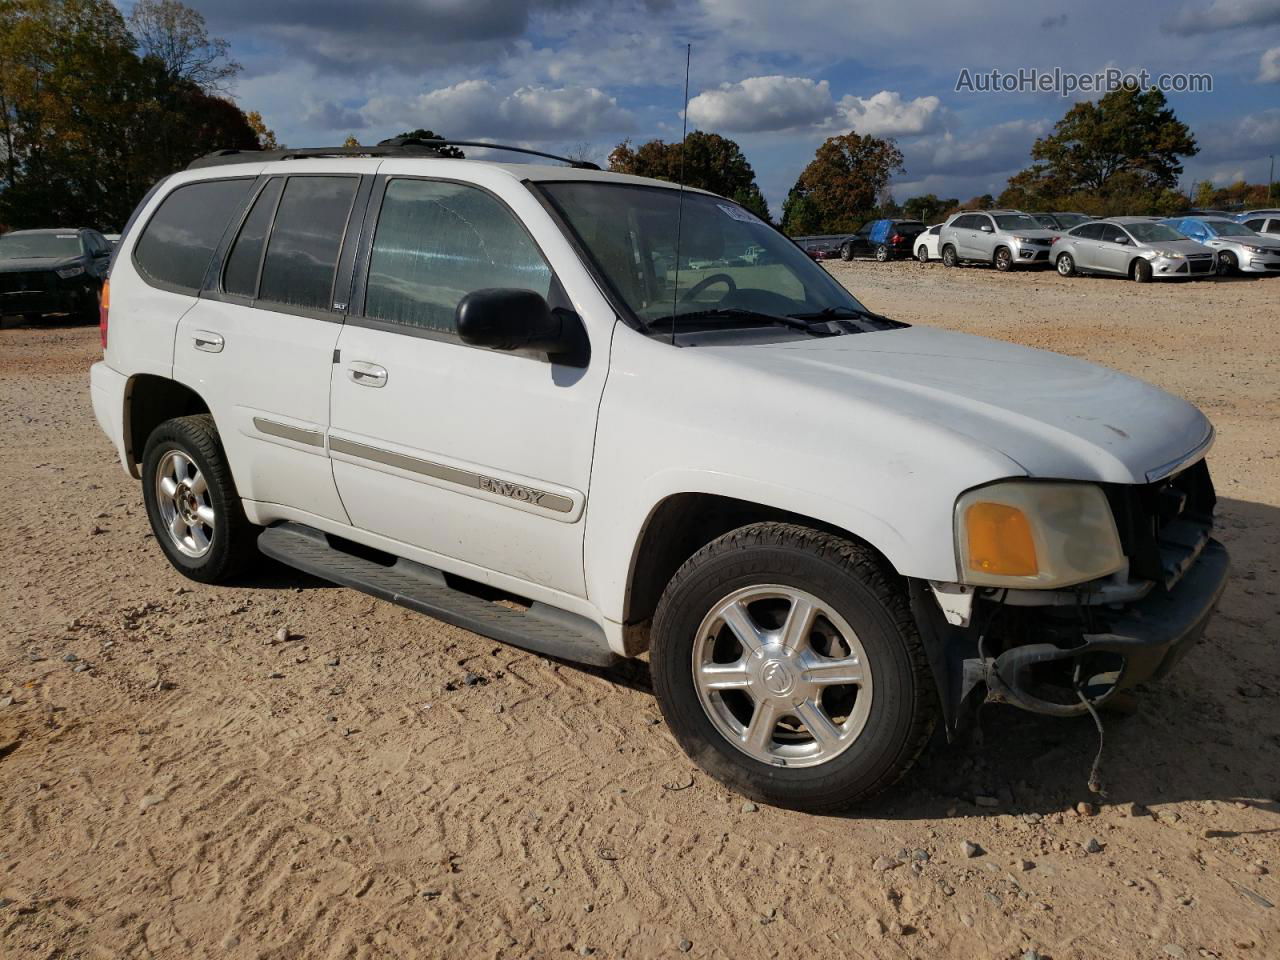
(1182, 246)
(1055, 416)
(34, 264)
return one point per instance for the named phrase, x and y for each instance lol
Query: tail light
(1053, 240)
(896, 238)
(104, 304)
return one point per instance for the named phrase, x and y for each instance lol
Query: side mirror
(510, 319)
(1122, 240)
(987, 228)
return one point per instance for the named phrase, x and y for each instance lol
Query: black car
(52, 271)
(883, 239)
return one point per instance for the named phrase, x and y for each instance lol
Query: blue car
(1239, 248)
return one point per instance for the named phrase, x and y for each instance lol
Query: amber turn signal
(1000, 540)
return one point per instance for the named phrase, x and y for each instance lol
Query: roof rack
(394, 147)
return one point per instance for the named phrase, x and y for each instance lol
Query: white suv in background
(449, 383)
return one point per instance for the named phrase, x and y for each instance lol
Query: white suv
(450, 383)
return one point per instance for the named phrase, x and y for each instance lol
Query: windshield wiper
(735, 313)
(844, 313)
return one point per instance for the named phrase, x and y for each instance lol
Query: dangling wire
(684, 136)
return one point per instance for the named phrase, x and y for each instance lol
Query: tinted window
(1255, 224)
(241, 275)
(1273, 226)
(180, 238)
(437, 242)
(302, 253)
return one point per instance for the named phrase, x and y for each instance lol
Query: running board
(541, 628)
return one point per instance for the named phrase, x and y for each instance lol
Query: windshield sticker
(737, 213)
(66, 236)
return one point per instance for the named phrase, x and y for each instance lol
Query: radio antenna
(684, 136)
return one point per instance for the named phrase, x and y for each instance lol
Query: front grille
(1163, 526)
(26, 280)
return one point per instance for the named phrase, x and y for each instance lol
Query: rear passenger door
(480, 457)
(259, 344)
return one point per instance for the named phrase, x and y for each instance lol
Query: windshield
(1069, 220)
(1225, 228)
(17, 246)
(730, 260)
(1017, 221)
(1152, 232)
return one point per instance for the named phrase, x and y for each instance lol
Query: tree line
(94, 107)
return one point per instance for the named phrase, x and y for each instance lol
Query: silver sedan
(1134, 247)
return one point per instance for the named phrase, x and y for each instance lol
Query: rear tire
(1066, 265)
(949, 258)
(882, 253)
(1141, 271)
(922, 254)
(192, 503)
(846, 252)
(750, 582)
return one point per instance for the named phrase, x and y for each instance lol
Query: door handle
(367, 374)
(208, 342)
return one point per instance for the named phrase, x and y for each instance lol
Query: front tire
(192, 503)
(788, 666)
(1141, 271)
(1003, 259)
(1227, 263)
(949, 258)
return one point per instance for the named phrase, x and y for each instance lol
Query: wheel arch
(149, 400)
(676, 528)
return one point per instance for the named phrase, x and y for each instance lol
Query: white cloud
(763, 103)
(476, 109)
(1269, 66)
(1224, 15)
(1001, 148)
(886, 114)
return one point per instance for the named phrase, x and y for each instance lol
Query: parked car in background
(1003, 238)
(52, 271)
(1246, 215)
(1204, 213)
(883, 239)
(1266, 223)
(822, 248)
(112, 238)
(1061, 221)
(1239, 248)
(927, 243)
(1131, 246)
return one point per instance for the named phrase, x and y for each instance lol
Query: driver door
(1114, 253)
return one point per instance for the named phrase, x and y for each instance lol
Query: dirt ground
(173, 784)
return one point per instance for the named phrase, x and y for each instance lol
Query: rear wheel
(949, 258)
(192, 503)
(846, 252)
(1141, 271)
(1003, 259)
(788, 666)
(1066, 265)
(882, 253)
(922, 254)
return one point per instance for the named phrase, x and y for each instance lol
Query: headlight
(1256, 249)
(1027, 240)
(1032, 534)
(66, 273)
(1170, 254)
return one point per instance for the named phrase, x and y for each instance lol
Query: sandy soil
(164, 794)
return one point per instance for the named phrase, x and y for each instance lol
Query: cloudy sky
(776, 76)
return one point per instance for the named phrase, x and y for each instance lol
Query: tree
(1122, 154)
(351, 141)
(266, 136)
(176, 36)
(444, 151)
(710, 162)
(841, 186)
(928, 208)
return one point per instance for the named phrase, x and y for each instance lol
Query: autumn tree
(1122, 154)
(842, 185)
(710, 162)
(176, 36)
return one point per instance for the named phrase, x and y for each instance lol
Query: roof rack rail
(394, 147)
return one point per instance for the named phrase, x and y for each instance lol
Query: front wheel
(949, 258)
(1227, 264)
(1066, 265)
(192, 503)
(1141, 271)
(788, 666)
(882, 253)
(1003, 259)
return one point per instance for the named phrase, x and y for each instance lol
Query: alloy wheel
(186, 508)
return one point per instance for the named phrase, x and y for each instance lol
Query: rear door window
(245, 258)
(179, 239)
(302, 254)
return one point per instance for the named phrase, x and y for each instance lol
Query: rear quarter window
(179, 239)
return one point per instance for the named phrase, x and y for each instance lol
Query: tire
(1141, 272)
(922, 254)
(209, 552)
(874, 729)
(1003, 259)
(949, 258)
(1227, 264)
(882, 254)
(1066, 265)
(846, 252)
